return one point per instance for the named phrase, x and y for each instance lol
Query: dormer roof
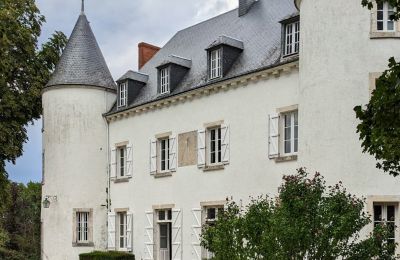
(135, 76)
(82, 62)
(228, 41)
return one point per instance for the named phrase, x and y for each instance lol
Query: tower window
(122, 96)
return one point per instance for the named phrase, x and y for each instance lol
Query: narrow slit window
(82, 227)
(164, 154)
(216, 63)
(121, 161)
(164, 81)
(215, 145)
(122, 95)
(290, 132)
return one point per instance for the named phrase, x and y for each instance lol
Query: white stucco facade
(332, 76)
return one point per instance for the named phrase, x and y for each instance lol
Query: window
(385, 214)
(122, 94)
(216, 63)
(122, 230)
(292, 38)
(210, 217)
(290, 132)
(214, 146)
(383, 19)
(164, 80)
(121, 161)
(82, 227)
(164, 154)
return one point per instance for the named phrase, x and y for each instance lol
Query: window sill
(286, 158)
(216, 167)
(89, 244)
(121, 180)
(382, 35)
(162, 174)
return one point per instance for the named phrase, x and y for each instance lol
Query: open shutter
(273, 140)
(225, 148)
(129, 161)
(201, 148)
(172, 153)
(149, 240)
(111, 231)
(113, 163)
(153, 156)
(129, 230)
(196, 233)
(176, 234)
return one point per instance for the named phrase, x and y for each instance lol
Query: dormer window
(122, 97)
(164, 80)
(216, 63)
(292, 38)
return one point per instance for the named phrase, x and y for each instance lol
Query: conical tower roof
(82, 62)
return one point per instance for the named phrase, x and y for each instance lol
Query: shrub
(110, 255)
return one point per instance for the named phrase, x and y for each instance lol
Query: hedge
(110, 255)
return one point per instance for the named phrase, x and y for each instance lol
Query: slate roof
(82, 62)
(259, 30)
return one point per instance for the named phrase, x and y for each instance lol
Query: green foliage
(110, 255)
(24, 70)
(308, 220)
(379, 128)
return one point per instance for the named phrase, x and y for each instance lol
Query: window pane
(211, 213)
(169, 214)
(380, 26)
(390, 213)
(161, 215)
(219, 145)
(380, 15)
(287, 147)
(390, 26)
(377, 212)
(163, 236)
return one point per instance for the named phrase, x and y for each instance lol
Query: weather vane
(83, 6)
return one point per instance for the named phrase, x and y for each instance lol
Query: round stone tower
(75, 149)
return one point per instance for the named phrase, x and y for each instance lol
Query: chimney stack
(146, 52)
(244, 6)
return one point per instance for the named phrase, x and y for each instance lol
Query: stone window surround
(375, 34)
(158, 137)
(75, 243)
(372, 81)
(282, 157)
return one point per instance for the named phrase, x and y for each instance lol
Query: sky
(119, 25)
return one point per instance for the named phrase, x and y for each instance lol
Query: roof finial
(83, 7)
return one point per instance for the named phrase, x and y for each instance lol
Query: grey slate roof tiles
(82, 62)
(259, 31)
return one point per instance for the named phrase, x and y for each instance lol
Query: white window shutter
(129, 230)
(273, 137)
(201, 148)
(149, 240)
(225, 147)
(153, 156)
(176, 234)
(129, 161)
(113, 163)
(111, 231)
(172, 153)
(196, 234)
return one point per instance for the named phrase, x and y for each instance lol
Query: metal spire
(83, 7)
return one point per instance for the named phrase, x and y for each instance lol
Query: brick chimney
(244, 6)
(146, 52)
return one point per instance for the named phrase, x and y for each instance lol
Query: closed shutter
(196, 234)
(111, 231)
(149, 240)
(129, 230)
(153, 156)
(172, 153)
(201, 148)
(176, 234)
(225, 144)
(273, 140)
(129, 161)
(113, 163)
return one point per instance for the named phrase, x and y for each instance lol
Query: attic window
(292, 38)
(122, 96)
(164, 80)
(215, 63)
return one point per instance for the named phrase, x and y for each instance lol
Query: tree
(308, 220)
(379, 128)
(24, 71)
